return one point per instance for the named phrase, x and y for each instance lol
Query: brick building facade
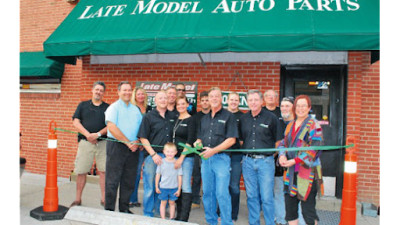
(39, 19)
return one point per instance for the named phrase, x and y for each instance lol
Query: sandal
(75, 203)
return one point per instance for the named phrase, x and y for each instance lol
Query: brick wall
(260, 76)
(38, 19)
(36, 112)
(363, 122)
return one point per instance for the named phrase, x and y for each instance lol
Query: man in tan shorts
(89, 120)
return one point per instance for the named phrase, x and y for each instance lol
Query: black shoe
(134, 204)
(126, 211)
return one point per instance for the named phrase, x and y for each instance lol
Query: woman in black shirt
(184, 131)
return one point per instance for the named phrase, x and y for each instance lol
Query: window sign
(152, 87)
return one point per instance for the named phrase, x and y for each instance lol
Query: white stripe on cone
(52, 144)
(350, 167)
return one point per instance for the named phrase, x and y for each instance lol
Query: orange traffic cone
(349, 197)
(50, 209)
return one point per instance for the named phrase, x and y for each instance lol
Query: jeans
(279, 200)
(215, 173)
(234, 185)
(196, 185)
(134, 196)
(187, 169)
(258, 177)
(150, 197)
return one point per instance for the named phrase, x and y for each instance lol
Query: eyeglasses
(288, 99)
(180, 89)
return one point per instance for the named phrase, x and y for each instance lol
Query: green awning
(120, 27)
(36, 65)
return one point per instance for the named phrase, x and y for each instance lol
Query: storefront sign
(152, 87)
(222, 6)
(242, 100)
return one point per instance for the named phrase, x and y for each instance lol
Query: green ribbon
(316, 148)
(195, 150)
(108, 139)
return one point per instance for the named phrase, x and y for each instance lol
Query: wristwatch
(98, 134)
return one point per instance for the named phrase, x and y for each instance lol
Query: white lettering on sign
(323, 5)
(118, 10)
(222, 6)
(170, 7)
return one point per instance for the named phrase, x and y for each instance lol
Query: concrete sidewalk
(32, 194)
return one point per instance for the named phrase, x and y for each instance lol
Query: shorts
(85, 155)
(167, 194)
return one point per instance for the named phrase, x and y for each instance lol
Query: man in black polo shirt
(259, 129)
(156, 129)
(217, 132)
(89, 120)
(196, 183)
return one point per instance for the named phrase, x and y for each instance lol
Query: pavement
(32, 194)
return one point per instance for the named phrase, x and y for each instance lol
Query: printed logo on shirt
(183, 125)
(171, 121)
(264, 125)
(221, 121)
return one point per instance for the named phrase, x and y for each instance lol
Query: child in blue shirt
(168, 180)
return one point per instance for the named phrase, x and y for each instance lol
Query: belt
(257, 156)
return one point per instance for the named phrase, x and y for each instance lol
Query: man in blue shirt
(123, 121)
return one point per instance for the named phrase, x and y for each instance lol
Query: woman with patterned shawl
(303, 176)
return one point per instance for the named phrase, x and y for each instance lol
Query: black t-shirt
(91, 117)
(261, 131)
(214, 131)
(156, 129)
(184, 131)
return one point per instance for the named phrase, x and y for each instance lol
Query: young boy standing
(170, 184)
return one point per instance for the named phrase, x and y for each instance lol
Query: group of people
(140, 138)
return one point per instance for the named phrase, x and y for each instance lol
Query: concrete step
(104, 217)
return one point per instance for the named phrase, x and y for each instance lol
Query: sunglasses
(180, 89)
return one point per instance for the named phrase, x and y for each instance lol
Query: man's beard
(285, 116)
